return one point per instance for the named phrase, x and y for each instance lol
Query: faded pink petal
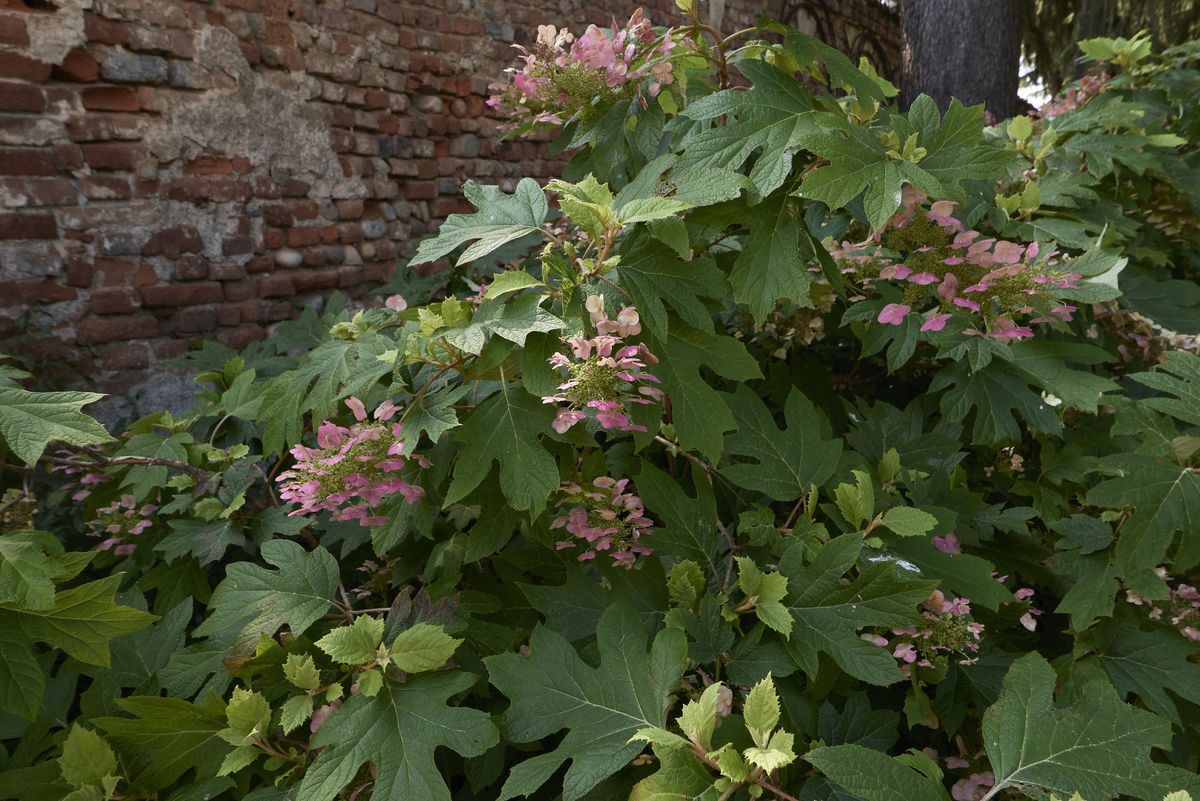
(894, 313)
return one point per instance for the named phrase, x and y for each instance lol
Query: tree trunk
(969, 49)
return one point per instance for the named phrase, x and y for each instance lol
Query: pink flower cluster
(563, 76)
(945, 271)
(972, 787)
(82, 476)
(604, 375)
(1181, 608)
(604, 518)
(947, 630)
(120, 522)
(352, 470)
(1075, 95)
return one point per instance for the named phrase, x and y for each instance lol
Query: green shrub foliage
(791, 446)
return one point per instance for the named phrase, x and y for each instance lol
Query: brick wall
(175, 170)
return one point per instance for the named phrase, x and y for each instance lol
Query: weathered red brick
(104, 31)
(229, 315)
(80, 272)
(26, 161)
(12, 31)
(113, 301)
(21, 97)
(28, 226)
(106, 187)
(15, 65)
(125, 356)
(40, 191)
(170, 349)
(112, 156)
(196, 318)
(174, 241)
(239, 290)
(241, 337)
(209, 166)
(274, 286)
(314, 280)
(191, 267)
(420, 190)
(303, 237)
(138, 326)
(188, 294)
(111, 98)
(79, 65)
(47, 291)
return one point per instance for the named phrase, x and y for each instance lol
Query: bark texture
(969, 49)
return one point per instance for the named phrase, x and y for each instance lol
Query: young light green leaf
(685, 584)
(767, 590)
(248, 715)
(294, 712)
(86, 758)
(588, 203)
(300, 670)
(510, 281)
(423, 647)
(355, 644)
(240, 757)
(698, 718)
(856, 501)
(761, 711)
(731, 763)
(650, 208)
(909, 522)
(776, 754)
(369, 682)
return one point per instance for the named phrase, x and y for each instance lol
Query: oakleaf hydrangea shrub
(791, 446)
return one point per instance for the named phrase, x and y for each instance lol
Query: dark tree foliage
(968, 49)
(1051, 28)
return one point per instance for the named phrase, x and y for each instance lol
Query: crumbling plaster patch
(269, 122)
(52, 36)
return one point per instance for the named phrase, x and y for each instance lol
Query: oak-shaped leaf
(398, 731)
(601, 708)
(829, 614)
(256, 601)
(501, 219)
(1097, 747)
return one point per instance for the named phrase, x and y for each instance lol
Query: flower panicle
(353, 469)
(562, 76)
(604, 517)
(947, 630)
(605, 376)
(947, 271)
(120, 522)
